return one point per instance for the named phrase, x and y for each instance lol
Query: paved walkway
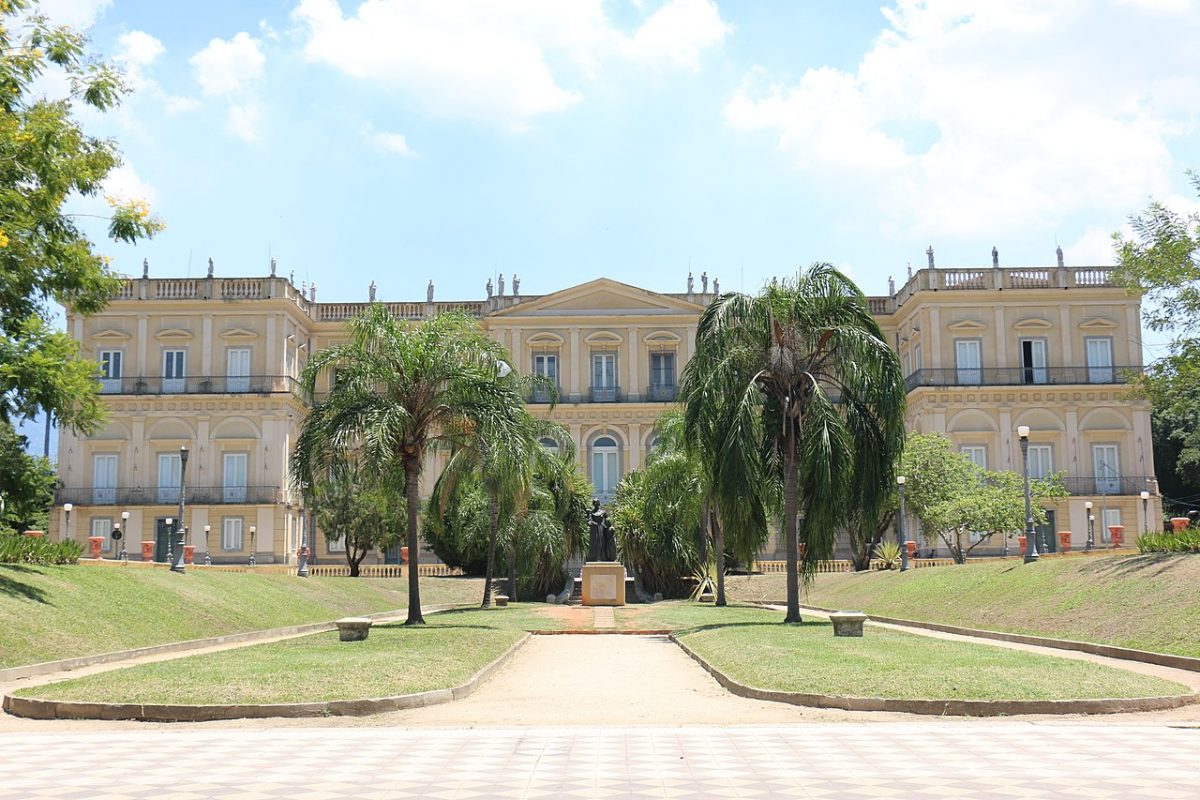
(975, 760)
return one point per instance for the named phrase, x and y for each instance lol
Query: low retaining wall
(34, 708)
(964, 708)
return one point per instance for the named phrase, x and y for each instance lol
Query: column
(576, 429)
(575, 366)
(206, 353)
(1006, 439)
(1133, 335)
(1064, 321)
(1001, 339)
(689, 347)
(635, 446)
(143, 348)
(635, 383)
(272, 346)
(517, 359)
(206, 473)
(936, 360)
(1073, 446)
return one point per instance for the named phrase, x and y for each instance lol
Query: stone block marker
(847, 623)
(353, 629)
(501, 601)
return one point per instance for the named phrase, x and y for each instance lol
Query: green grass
(678, 615)
(808, 658)
(49, 613)
(1148, 602)
(393, 660)
(515, 616)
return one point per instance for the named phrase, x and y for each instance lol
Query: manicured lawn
(1145, 602)
(677, 615)
(393, 660)
(48, 613)
(518, 616)
(809, 658)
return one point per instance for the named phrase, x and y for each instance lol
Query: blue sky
(403, 140)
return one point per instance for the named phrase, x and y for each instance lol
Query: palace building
(211, 364)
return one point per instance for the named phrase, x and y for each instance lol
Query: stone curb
(946, 708)
(67, 664)
(1189, 663)
(147, 712)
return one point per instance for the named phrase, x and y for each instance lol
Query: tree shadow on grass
(773, 626)
(1132, 565)
(13, 587)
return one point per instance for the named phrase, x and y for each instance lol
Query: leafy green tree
(1162, 261)
(26, 484)
(46, 158)
(952, 498)
(403, 388)
(359, 507)
(656, 513)
(805, 367)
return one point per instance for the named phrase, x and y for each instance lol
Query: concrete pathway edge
(34, 708)
(244, 637)
(962, 708)
(1188, 663)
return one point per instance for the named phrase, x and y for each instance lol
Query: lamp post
(207, 547)
(253, 531)
(125, 537)
(900, 525)
(302, 568)
(67, 509)
(178, 566)
(1091, 540)
(170, 522)
(1031, 552)
(1145, 510)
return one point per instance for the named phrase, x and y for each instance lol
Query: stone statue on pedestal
(602, 540)
(371, 292)
(145, 268)
(210, 268)
(516, 285)
(995, 258)
(691, 283)
(704, 282)
(490, 289)
(500, 285)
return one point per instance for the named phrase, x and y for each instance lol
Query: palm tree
(399, 389)
(504, 461)
(804, 366)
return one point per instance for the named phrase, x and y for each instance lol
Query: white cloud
(394, 143)
(123, 183)
(80, 14)
(228, 67)
(243, 121)
(968, 117)
(506, 63)
(137, 50)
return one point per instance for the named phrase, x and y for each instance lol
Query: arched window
(605, 465)
(549, 444)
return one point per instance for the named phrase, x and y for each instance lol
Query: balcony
(201, 384)
(168, 495)
(605, 394)
(661, 394)
(1018, 376)
(1096, 486)
(543, 394)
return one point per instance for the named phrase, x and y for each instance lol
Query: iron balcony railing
(1018, 376)
(661, 394)
(544, 394)
(202, 384)
(605, 394)
(168, 495)
(1095, 485)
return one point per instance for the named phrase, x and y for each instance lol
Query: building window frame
(975, 453)
(968, 375)
(1031, 372)
(604, 462)
(174, 369)
(238, 381)
(1098, 372)
(233, 533)
(112, 369)
(102, 526)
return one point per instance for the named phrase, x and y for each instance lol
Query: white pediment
(968, 325)
(111, 335)
(1098, 324)
(545, 339)
(174, 333)
(602, 298)
(603, 338)
(662, 338)
(239, 333)
(1033, 324)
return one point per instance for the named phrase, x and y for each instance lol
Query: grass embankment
(48, 613)
(393, 660)
(1148, 602)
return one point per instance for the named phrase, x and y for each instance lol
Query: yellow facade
(211, 364)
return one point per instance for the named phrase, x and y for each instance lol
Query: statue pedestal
(603, 583)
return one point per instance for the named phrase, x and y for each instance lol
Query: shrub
(888, 555)
(16, 549)
(1184, 541)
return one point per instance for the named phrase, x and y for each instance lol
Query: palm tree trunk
(412, 477)
(493, 527)
(789, 527)
(719, 546)
(512, 567)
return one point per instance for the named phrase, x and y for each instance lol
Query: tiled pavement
(931, 759)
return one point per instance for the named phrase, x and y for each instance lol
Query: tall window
(545, 365)
(237, 369)
(968, 361)
(174, 370)
(549, 445)
(168, 477)
(976, 454)
(662, 369)
(104, 479)
(916, 356)
(1111, 516)
(605, 473)
(1108, 470)
(234, 477)
(102, 527)
(231, 533)
(112, 363)
(1099, 359)
(1041, 461)
(1033, 361)
(604, 370)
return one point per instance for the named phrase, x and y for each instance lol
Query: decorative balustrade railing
(661, 393)
(1018, 376)
(1098, 485)
(202, 384)
(168, 495)
(605, 394)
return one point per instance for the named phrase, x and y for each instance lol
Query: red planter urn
(1179, 523)
(1021, 544)
(148, 550)
(1064, 541)
(1117, 532)
(911, 546)
(35, 534)
(189, 553)
(94, 545)
(403, 555)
